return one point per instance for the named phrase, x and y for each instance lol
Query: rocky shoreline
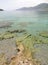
(20, 58)
(24, 47)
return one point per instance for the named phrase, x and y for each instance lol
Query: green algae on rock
(3, 61)
(23, 59)
(16, 31)
(28, 41)
(10, 34)
(7, 35)
(44, 34)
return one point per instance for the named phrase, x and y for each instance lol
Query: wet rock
(17, 31)
(2, 60)
(25, 24)
(7, 35)
(5, 24)
(21, 59)
(20, 48)
(44, 34)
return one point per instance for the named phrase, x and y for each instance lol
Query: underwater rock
(2, 60)
(20, 48)
(24, 24)
(24, 49)
(5, 24)
(44, 34)
(17, 31)
(21, 59)
(7, 36)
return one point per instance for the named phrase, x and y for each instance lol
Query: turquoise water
(32, 22)
(38, 20)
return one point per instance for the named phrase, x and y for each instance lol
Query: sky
(15, 4)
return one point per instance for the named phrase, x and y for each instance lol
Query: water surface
(32, 22)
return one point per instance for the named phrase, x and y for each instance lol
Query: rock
(21, 59)
(2, 59)
(7, 35)
(5, 24)
(16, 31)
(20, 49)
(44, 34)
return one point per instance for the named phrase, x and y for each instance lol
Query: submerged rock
(5, 24)
(44, 34)
(2, 60)
(25, 24)
(24, 49)
(17, 31)
(21, 59)
(7, 35)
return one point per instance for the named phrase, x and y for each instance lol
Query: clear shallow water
(39, 20)
(42, 53)
(33, 22)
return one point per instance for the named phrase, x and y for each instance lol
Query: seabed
(24, 47)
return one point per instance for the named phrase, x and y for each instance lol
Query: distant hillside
(1, 10)
(40, 7)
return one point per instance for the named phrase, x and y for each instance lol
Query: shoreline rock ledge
(21, 59)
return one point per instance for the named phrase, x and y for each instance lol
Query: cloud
(14, 4)
(46, 1)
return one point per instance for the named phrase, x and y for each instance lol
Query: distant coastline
(1, 10)
(40, 7)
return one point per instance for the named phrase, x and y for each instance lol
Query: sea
(33, 22)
